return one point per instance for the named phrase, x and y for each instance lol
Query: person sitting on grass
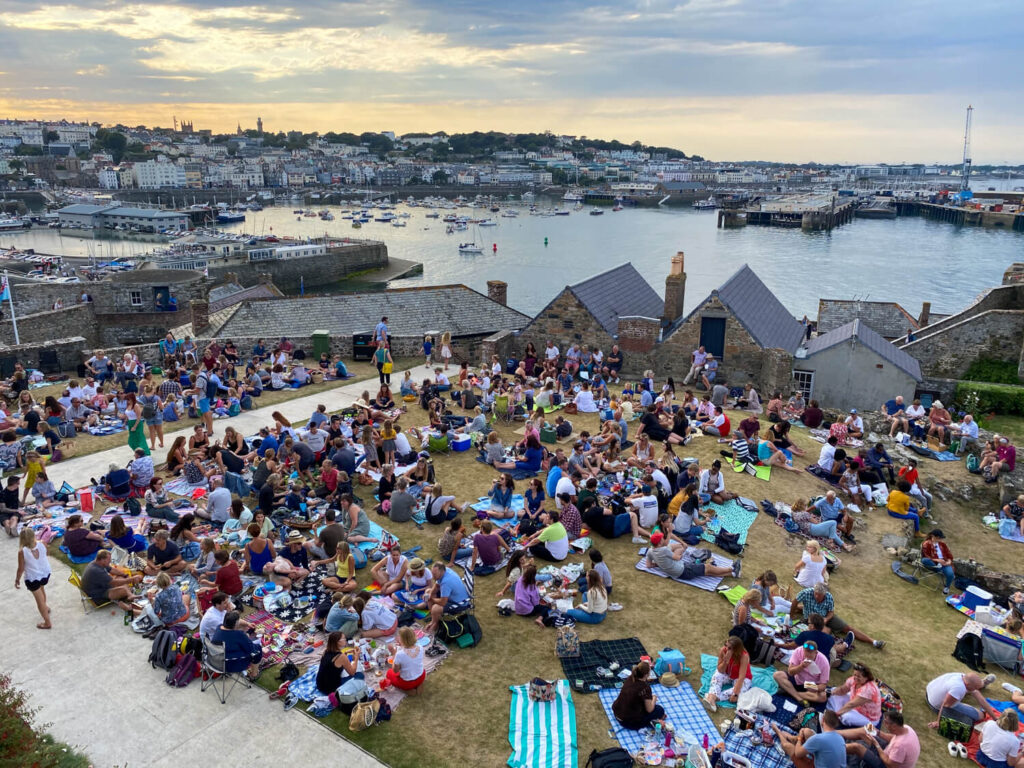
(376, 619)
(770, 455)
(551, 543)
(673, 562)
(502, 489)
(226, 578)
(857, 701)
(487, 548)
(712, 484)
(807, 748)
(527, 598)
(168, 603)
(896, 745)
(805, 679)
(817, 599)
(732, 674)
(636, 707)
(163, 555)
(448, 596)
(344, 577)
(103, 583)
(390, 572)
(947, 692)
(407, 672)
(595, 601)
(1000, 743)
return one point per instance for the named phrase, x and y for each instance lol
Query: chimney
(497, 290)
(675, 290)
(200, 316)
(926, 311)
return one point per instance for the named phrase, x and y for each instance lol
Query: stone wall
(637, 335)
(949, 352)
(32, 298)
(1000, 297)
(68, 349)
(566, 322)
(313, 271)
(75, 320)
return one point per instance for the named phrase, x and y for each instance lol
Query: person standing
(35, 567)
(382, 359)
(446, 348)
(380, 332)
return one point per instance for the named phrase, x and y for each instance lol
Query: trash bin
(362, 346)
(321, 343)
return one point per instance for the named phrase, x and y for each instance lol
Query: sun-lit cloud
(730, 79)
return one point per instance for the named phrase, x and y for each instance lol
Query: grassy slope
(461, 716)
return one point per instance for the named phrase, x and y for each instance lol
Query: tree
(51, 136)
(440, 177)
(113, 142)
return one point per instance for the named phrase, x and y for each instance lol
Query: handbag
(352, 690)
(364, 714)
(387, 368)
(571, 408)
(541, 690)
(567, 646)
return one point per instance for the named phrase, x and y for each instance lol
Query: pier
(808, 212)
(963, 216)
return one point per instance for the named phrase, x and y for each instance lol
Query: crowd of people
(623, 479)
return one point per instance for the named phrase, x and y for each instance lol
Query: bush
(995, 398)
(993, 371)
(20, 743)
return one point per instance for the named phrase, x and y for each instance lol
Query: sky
(783, 80)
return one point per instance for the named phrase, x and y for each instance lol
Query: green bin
(321, 343)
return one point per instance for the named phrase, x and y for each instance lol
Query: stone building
(854, 367)
(887, 318)
(744, 325)
(599, 312)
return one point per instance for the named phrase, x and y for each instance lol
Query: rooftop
(886, 317)
(410, 311)
(860, 331)
(619, 292)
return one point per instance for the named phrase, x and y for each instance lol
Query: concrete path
(77, 471)
(90, 677)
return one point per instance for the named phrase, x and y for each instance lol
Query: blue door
(712, 335)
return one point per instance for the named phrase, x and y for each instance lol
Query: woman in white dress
(446, 348)
(811, 568)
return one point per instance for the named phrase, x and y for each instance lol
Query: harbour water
(907, 260)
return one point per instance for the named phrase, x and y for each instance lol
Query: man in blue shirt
(879, 460)
(554, 475)
(448, 595)
(895, 412)
(380, 332)
(967, 433)
(830, 507)
(827, 749)
(646, 398)
(240, 650)
(267, 440)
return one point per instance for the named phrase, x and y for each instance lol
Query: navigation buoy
(545, 241)
(495, 247)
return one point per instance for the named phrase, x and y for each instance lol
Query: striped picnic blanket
(542, 734)
(707, 583)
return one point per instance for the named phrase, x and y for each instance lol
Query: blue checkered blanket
(304, 686)
(682, 708)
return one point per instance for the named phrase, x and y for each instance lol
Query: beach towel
(732, 516)
(760, 472)
(1011, 533)
(682, 708)
(762, 678)
(733, 595)
(581, 671)
(707, 583)
(378, 533)
(182, 487)
(483, 503)
(542, 733)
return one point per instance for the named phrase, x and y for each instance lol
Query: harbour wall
(311, 271)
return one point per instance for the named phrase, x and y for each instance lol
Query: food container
(976, 597)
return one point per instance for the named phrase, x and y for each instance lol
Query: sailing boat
(470, 247)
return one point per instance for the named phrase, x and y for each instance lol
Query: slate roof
(861, 332)
(410, 312)
(887, 317)
(619, 292)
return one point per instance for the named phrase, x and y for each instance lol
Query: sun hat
(295, 536)
(417, 564)
(669, 680)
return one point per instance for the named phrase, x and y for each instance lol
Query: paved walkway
(90, 677)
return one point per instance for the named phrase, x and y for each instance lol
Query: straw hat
(417, 564)
(669, 680)
(295, 536)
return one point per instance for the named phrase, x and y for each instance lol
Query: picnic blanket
(182, 487)
(707, 583)
(483, 503)
(272, 625)
(304, 686)
(760, 472)
(395, 696)
(759, 756)
(682, 708)
(581, 671)
(1011, 534)
(517, 474)
(762, 677)
(305, 596)
(467, 566)
(732, 516)
(922, 450)
(542, 733)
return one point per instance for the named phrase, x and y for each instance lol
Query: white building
(109, 178)
(154, 174)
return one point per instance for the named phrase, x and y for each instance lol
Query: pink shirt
(873, 709)
(904, 749)
(805, 676)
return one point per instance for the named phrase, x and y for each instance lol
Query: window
(135, 297)
(568, 325)
(804, 381)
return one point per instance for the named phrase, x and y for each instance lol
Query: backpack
(184, 671)
(472, 633)
(670, 660)
(164, 652)
(615, 757)
(730, 542)
(148, 411)
(970, 651)
(132, 506)
(973, 462)
(567, 646)
(246, 403)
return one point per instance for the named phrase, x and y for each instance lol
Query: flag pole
(10, 298)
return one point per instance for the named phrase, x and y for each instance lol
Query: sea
(907, 260)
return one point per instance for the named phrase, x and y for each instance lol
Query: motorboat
(706, 205)
(470, 248)
(596, 212)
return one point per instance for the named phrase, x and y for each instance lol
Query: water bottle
(705, 743)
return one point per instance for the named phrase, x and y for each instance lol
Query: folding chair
(214, 672)
(918, 573)
(88, 606)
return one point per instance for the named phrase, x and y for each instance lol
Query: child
(319, 416)
(598, 564)
(325, 363)
(369, 448)
(428, 348)
(34, 464)
(387, 436)
(493, 451)
(340, 370)
(446, 348)
(234, 403)
(207, 562)
(51, 437)
(171, 405)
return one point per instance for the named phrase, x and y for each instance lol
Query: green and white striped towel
(542, 734)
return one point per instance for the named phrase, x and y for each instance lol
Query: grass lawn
(461, 714)
(86, 443)
(1011, 426)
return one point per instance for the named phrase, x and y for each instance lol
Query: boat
(356, 225)
(487, 223)
(386, 217)
(876, 209)
(470, 248)
(397, 223)
(573, 196)
(8, 224)
(596, 212)
(509, 213)
(617, 207)
(706, 205)
(560, 212)
(326, 215)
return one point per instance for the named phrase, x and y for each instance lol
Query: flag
(5, 289)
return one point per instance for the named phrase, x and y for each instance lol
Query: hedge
(994, 371)
(994, 398)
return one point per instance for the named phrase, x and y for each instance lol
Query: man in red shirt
(935, 556)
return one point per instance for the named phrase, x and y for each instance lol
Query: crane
(965, 173)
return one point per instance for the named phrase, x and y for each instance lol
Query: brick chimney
(675, 290)
(200, 316)
(926, 311)
(497, 290)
